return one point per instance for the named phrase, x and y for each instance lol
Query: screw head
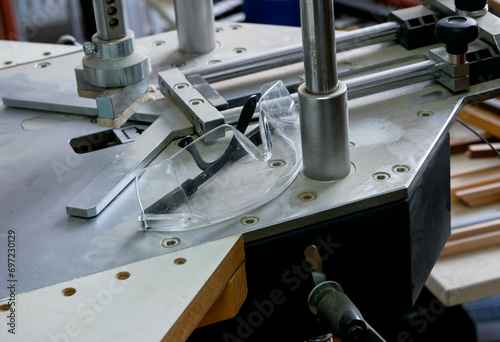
(88, 48)
(170, 242)
(249, 220)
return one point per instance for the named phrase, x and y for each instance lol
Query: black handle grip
(456, 32)
(341, 317)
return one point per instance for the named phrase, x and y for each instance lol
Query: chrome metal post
(110, 19)
(195, 26)
(318, 40)
(324, 122)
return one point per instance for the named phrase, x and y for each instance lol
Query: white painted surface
(141, 308)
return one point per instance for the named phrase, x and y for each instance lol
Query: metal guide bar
(121, 171)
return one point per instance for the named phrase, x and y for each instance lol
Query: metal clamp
(113, 70)
(202, 114)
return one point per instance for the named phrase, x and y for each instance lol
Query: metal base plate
(392, 135)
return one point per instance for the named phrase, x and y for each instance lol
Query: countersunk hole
(235, 27)
(276, 163)
(8, 63)
(93, 120)
(69, 291)
(110, 2)
(219, 29)
(180, 261)
(180, 86)
(249, 220)
(351, 144)
(122, 275)
(158, 42)
(400, 168)
(42, 65)
(381, 176)
(47, 53)
(215, 61)
(178, 64)
(113, 23)
(196, 102)
(112, 11)
(307, 196)
(170, 242)
(4, 307)
(425, 113)
(239, 50)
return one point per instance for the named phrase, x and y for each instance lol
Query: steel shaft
(110, 19)
(195, 26)
(293, 54)
(318, 41)
(324, 123)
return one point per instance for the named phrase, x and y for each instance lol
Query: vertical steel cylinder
(318, 40)
(195, 26)
(110, 19)
(324, 122)
(324, 128)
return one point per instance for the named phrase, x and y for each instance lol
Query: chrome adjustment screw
(88, 48)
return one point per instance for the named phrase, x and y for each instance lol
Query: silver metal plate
(392, 135)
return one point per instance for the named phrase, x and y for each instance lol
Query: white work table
(163, 298)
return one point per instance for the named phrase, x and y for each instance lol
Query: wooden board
(477, 176)
(480, 195)
(230, 301)
(473, 237)
(482, 118)
(162, 298)
(482, 150)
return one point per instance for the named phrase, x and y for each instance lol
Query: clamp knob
(456, 32)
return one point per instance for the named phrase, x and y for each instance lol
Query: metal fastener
(88, 48)
(170, 242)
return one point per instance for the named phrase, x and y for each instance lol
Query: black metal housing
(381, 256)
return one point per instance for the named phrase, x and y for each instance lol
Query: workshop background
(50, 21)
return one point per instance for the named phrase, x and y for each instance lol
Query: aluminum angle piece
(122, 170)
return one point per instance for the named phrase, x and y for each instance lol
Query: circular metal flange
(114, 49)
(112, 73)
(473, 14)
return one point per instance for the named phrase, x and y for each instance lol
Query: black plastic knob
(470, 5)
(456, 32)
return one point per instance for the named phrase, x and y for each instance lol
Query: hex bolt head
(88, 48)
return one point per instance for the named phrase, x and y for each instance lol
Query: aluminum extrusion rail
(293, 54)
(411, 73)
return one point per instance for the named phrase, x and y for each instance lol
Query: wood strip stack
(472, 237)
(475, 183)
(478, 186)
